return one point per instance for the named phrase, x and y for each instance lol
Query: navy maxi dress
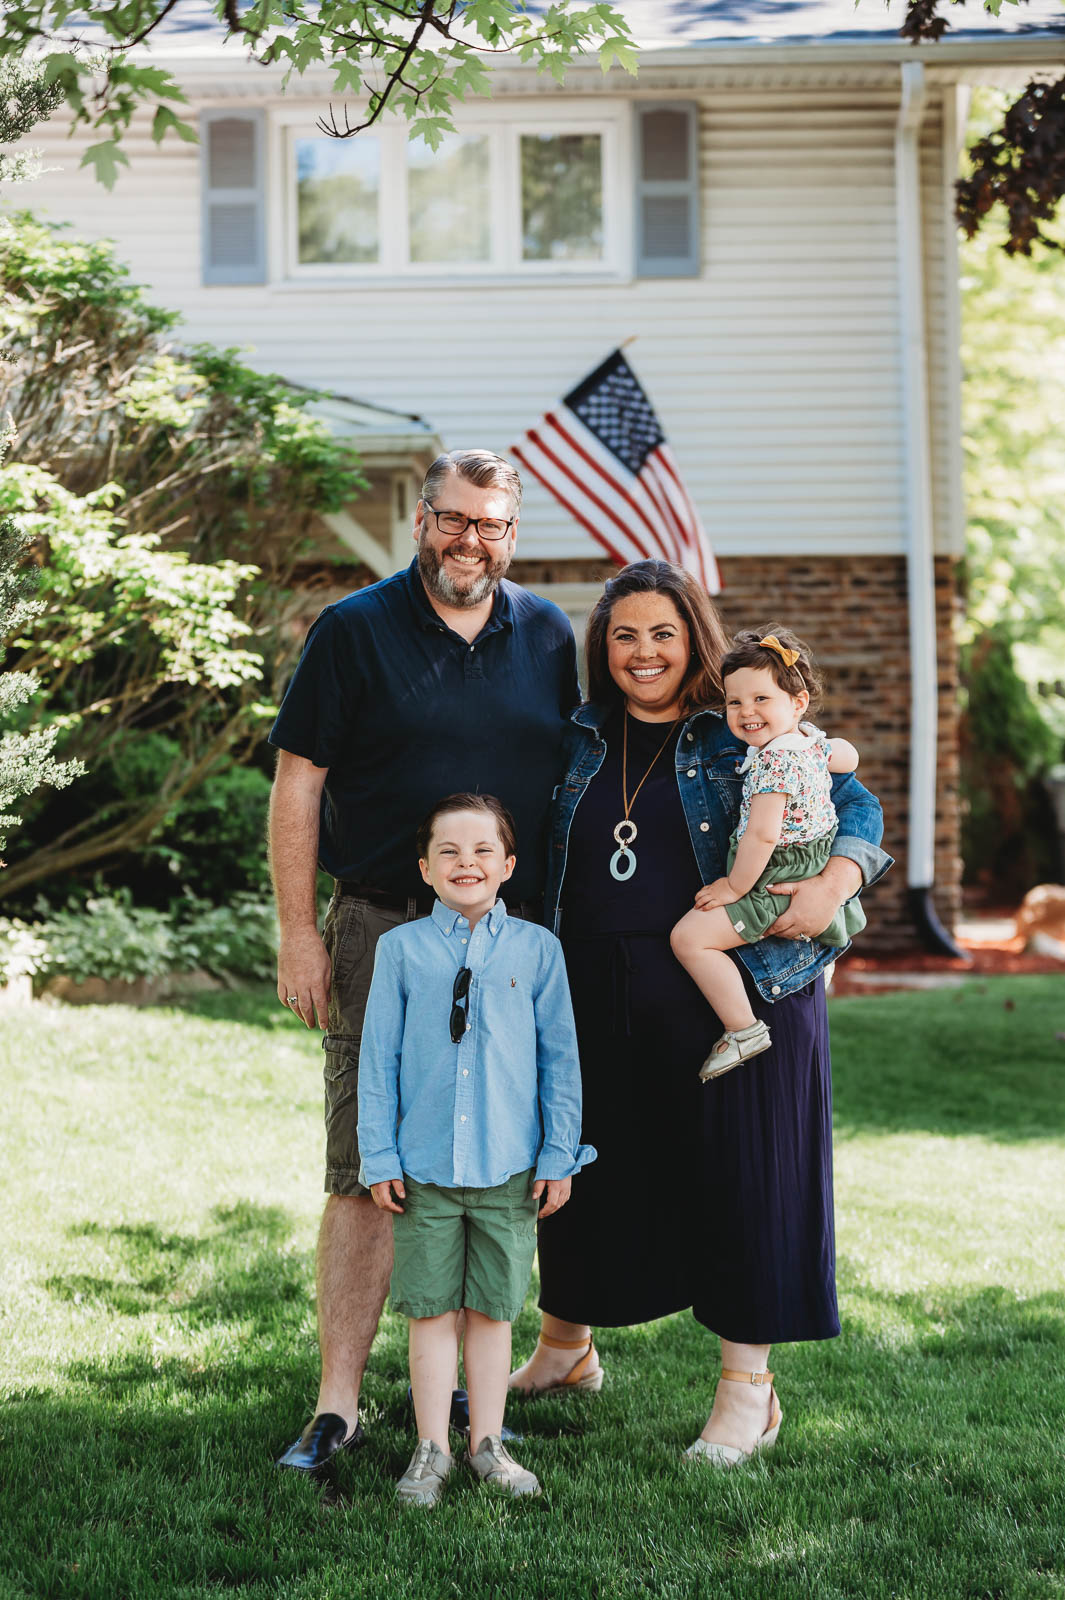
(716, 1196)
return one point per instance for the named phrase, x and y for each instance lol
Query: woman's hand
(557, 1194)
(815, 901)
(381, 1194)
(718, 893)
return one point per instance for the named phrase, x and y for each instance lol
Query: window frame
(504, 126)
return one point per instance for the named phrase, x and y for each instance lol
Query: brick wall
(852, 612)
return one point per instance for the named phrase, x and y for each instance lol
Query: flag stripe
(680, 510)
(673, 538)
(633, 489)
(702, 544)
(551, 468)
(580, 482)
(655, 467)
(549, 483)
(671, 527)
(573, 459)
(573, 434)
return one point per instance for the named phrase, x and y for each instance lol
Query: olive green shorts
(756, 911)
(464, 1247)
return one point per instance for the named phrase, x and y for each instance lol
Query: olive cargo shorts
(352, 929)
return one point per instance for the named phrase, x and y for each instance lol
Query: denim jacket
(708, 756)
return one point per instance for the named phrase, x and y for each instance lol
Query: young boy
(469, 1111)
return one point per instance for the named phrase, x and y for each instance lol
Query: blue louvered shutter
(234, 189)
(667, 191)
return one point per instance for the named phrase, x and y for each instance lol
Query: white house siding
(776, 372)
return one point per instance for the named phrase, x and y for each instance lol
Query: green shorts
(464, 1247)
(757, 910)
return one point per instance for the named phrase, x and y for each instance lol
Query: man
(441, 679)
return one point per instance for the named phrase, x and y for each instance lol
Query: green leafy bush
(234, 940)
(215, 845)
(109, 937)
(1009, 838)
(167, 496)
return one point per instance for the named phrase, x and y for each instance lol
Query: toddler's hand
(557, 1194)
(718, 893)
(382, 1194)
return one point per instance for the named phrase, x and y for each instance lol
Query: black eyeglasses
(484, 527)
(459, 1012)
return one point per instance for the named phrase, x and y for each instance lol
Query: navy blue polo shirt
(403, 711)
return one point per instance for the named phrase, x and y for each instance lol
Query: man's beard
(443, 587)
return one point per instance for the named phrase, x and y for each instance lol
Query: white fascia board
(208, 69)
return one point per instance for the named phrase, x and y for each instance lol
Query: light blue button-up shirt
(506, 1097)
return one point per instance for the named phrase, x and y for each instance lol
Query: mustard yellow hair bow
(771, 642)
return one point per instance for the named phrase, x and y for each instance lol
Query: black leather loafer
(319, 1442)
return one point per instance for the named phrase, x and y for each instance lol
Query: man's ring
(804, 938)
(292, 999)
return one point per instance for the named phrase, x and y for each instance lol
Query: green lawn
(161, 1173)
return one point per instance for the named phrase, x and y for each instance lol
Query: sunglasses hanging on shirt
(460, 1004)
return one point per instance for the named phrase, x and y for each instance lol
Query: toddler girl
(786, 828)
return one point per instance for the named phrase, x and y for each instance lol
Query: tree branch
(138, 38)
(379, 99)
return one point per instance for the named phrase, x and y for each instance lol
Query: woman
(715, 1196)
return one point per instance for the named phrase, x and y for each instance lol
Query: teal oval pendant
(623, 857)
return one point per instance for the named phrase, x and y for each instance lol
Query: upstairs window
(601, 189)
(497, 197)
(338, 195)
(449, 202)
(561, 197)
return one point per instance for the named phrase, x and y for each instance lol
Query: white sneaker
(493, 1464)
(423, 1482)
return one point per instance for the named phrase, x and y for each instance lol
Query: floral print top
(795, 765)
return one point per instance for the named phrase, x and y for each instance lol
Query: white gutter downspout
(920, 567)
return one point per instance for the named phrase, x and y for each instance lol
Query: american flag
(601, 452)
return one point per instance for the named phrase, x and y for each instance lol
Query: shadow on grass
(253, 1005)
(151, 1475)
(238, 1271)
(987, 1059)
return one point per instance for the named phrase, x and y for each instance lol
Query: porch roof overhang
(385, 439)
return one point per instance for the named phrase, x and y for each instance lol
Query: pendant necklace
(623, 861)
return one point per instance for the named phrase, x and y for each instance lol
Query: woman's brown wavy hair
(702, 685)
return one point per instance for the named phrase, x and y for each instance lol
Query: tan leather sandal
(578, 1378)
(730, 1455)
